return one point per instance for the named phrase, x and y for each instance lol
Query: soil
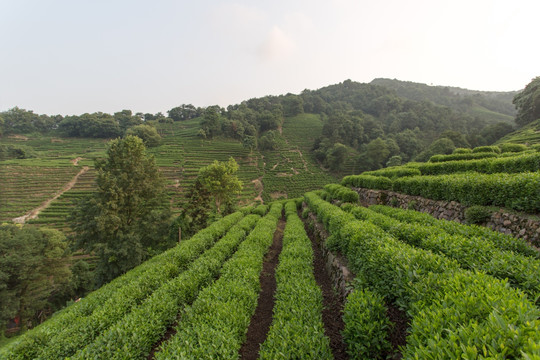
(278, 195)
(261, 320)
(332, 303)
(398, 333)
(257, 183)
(171, 331)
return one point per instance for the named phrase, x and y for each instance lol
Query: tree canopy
(126, 220)
(33, 272)
(527, 103)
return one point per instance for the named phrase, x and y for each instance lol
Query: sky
(73, 56)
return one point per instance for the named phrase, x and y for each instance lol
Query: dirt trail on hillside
(35, 212)
(259, 188)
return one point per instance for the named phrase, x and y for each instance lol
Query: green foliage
(297, 330)
(221, 181)
(515, 191)
(147, 133)
(366, 325)
(136, 333)
(513, 148)
(96, 125)
(367, 181)
(33, 272)
(462, 151)
(442, 146)
(125, 218)
(487, 149)
(527, 103)
(393, 172)
(67, 331)
(488, 165)
(462, 156)
(13, 151)
(342, 193)
(477, 214)
(184, 112)
(452, 310)
(471, 252)
(268, 141)
(395, 160)
(499, 240)
(215, 325)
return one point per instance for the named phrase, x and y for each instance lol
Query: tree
(147, 133)
(527, 103)
(221, 182)
(249, 142)
(126, 220)
(33, 270)
(268, 141)
(377, 153)
(335, 156)
(442, 146)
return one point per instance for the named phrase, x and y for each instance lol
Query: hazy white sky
(75, 56)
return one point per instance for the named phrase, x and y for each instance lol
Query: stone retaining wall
(501, 221)
(336, 265)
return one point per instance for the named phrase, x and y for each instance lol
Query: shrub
(509, 147)
(477, 214)
(366, 325)
(339, 192)
(462, 151)
(367, 181)
(394, 172)
(487, 149)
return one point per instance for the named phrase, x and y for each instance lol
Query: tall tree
(527, 103)
(126, 220)
(221, 181)
(33, 270)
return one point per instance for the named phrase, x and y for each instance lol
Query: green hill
(529, 135)
(490, 106)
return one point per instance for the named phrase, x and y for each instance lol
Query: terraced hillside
(201, 299)
(287, 171)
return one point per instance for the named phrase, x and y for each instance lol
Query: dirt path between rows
(261, 320)
(32, 214)
(332, 303)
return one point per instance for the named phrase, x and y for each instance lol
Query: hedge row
(367, 181)
(515, 191)
(500, 240)
(394, 172)
(135, 334)
(487, 149)
(366, 325)
(341, 193)
(475, 253)
(454, 157)
(456, 314)
(514, 164)
(48, 337)
(214, 327)
(297, 330)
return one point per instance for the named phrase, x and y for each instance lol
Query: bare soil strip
(398, 334)
(35, 212)
(332, 303)
(261, 320)
(171, 331)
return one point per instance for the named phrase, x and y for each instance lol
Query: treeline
(367, 125)
(456, 98)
